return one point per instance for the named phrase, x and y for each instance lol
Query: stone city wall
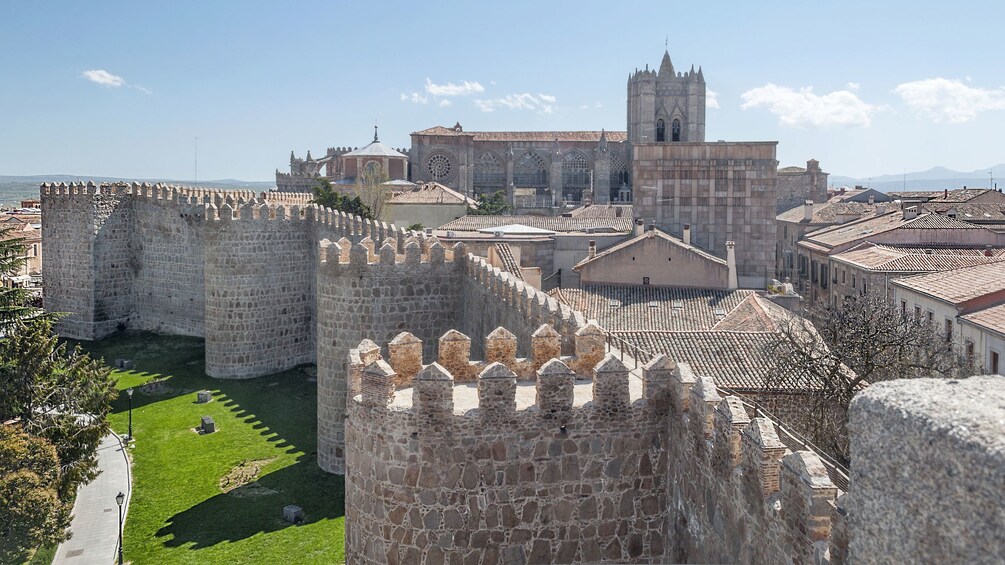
(259, 277)
(69, 219)
(558, 481)
(362, 292)
(450, 458)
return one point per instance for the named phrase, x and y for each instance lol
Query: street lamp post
(119, 499)
(129, 392)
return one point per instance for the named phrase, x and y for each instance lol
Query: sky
(218, 89)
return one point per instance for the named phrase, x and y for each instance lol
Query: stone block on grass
(293, 514)
(204, 396)
(208, 425)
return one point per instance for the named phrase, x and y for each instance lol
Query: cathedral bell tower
(666, 106)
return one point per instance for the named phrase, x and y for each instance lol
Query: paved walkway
(95, 515)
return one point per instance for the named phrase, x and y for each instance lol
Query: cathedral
(661, 164)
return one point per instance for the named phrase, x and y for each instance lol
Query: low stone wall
(928, 471)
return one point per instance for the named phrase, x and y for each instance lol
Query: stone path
(95, 514)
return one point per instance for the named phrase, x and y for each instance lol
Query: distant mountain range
(935, 178)
(221, 183)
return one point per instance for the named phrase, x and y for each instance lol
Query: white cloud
(711, 99)
(105, 78)
(444, 103)
(598, 105)
(798, 108)
(949, 100)
(415, 97)
(853, 86)
(450, 89)
(543, 103)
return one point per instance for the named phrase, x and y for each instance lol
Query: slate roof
(992, 318)
(375, 149)
(730, 335)
(827, 212)
(599, 218)
(985, 212)
(882, 258)
(833, 236)
(430, 193)
(938, 222)
(955, 195)
(633, 308)
(959, 285)
(592, 136)
(737, 360)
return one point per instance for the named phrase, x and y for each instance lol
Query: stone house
(429, 205)
(944, 298)
(897, 227)
(555, 244)
(795, 223)
(657, 258)
(796, 185)
(983, 334)
(31, 233)
(869, 267)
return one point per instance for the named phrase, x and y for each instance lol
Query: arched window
(372, 170)
(676, 130)
(661, 130)
(620, 175)
(490, 174)
(530, 172)
(575, 171)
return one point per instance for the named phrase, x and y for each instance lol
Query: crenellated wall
(503, 460)
(568, 459)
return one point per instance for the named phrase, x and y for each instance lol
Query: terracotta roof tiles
(959, 285)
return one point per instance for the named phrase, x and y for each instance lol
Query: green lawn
(179, 513)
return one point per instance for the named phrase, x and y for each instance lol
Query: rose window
(438, 167)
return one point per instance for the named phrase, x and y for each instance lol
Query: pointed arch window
(675, 130)
(661, 130)
(490, 174)
(530, 172)
(620, 175)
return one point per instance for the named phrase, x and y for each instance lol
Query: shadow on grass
(229, 517)
(281, 408)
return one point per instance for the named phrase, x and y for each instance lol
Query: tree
(32, 514)
(847, 346)
(415, 227)
(491, 204)
(326, 195)
(371, 190)
(15, 303)
(58, 394)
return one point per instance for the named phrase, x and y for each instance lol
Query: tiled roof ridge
(666, 237)
(932, 220)
(509, 262)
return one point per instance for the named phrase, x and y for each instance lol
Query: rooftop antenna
(905, 180)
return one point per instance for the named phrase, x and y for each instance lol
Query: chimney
(652, 229)
(731, 264)
(639, 227)
(593, 249)
(911, 212)
(843, 190)
(880, 209)
(987, 251)
(687, 234)
(872, 200)
(808, 211)
(945, 192)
